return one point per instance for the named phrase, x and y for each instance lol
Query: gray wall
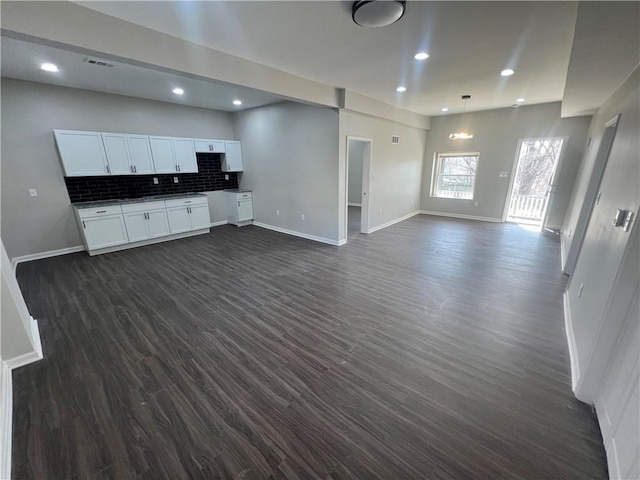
(356, 151)
(496, 134)
(396, 170)
(30, 112)
(290, 154)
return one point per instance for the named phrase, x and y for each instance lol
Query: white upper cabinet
(185, 155)
(209, 146)
(140, 154)
(82, 153)
(163, 156)
(115, 146)
(232, 161)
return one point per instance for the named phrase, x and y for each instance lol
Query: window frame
(436, 175)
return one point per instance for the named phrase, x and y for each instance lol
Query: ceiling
(22, 60)
(578, 53)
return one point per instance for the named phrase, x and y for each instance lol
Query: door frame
(366, 184)
(514, 171)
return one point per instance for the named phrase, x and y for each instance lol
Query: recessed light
(421, 56)
(507, 72)
(401, 89)
(49, 67)
(520, 100)
(237, 102)
(444, 109)
(178, 91)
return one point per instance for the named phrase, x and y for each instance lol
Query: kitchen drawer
(99, 211)
(142, 206)
(188, 201)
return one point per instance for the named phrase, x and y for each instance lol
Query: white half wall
(496, 134)
(396, 170)
(30, 112)
(290, 154)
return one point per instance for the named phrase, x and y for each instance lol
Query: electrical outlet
(475, 204)
(277, 213)
(155, 180)
(33, 192)
(580, 290)
(175, 179)
(226, 177)
(302, 217)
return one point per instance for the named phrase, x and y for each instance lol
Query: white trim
(571, 342)
(221, 222)
(152, 241)
(51, 253)
(563, 253)
(459, 215)
(397, 220)
(6, 420)
(342, 242)
(29, 357)
(351, 204)
(365, 196)
(297, 234)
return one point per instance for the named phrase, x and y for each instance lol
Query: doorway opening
(532, 185)
(357, 185)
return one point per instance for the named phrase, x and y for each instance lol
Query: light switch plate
(502, 174)
(155, 180)
(33, 192)
(175, 179)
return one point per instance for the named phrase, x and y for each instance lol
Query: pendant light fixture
(462, 135)
(377, 13)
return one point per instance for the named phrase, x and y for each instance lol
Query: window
(454, 175)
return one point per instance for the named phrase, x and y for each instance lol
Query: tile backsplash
(210, 177)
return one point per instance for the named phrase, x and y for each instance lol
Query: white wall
(395, 169)
(496, 134)
(30, 112)
(290, 154)
(356, 152)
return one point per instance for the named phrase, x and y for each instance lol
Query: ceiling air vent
(395, 139)
(97, 63)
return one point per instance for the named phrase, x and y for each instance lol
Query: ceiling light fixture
(421, 56)
(520, 100)
(462, 135)
(178, 91)
(444, 109)
(377, 13)
(401, 89)
(237, 102)
(49, 67)
(507, 72)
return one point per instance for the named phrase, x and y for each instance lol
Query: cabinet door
(179, 220)
(140, 154)
(82, 153)
(163, 156)
(233, 157)
(199, 217)
(217, 146)
(157, 223)
(245, 210)
(103, 232)
(136, 226)
(202, 146)
(115, 146)
(185, 155)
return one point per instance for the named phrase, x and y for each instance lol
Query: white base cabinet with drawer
(117, 227)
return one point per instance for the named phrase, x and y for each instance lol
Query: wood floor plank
(434, 348)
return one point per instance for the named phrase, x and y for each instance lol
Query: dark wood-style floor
(434, 348)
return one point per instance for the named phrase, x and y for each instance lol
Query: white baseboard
(221, 222)
(6, 420)
(388, 224)
(354, 204)
(342, 242)
(466, 217)
(51, 253)
(297, 234)
(571, 342)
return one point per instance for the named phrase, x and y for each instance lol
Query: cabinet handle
(178, 167)
(108, 170)
(131, 168)
(188, 201)
(135, 169)
(101, 211)
(83, 225)
(238, 203)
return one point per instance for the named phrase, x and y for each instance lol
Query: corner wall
(30, 113)
(290, 154)
(496, 134)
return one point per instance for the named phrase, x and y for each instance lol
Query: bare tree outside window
(454, 175)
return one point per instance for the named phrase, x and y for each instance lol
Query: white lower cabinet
(114, 225)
